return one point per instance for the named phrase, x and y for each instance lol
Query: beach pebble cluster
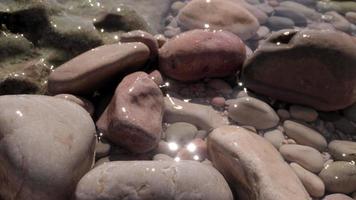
(203, 99)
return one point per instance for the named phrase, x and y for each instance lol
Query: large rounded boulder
(46, 146)
(308, 67)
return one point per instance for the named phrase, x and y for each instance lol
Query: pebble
(283, 114)
(156, 77)
(180, 132)
(152, 179)
(312, 183)
(298, 18)
(309, 13)
(202, 116)
(124, 121)
(162, 157)
(253, 112)
(87, 105)
(339, 177)
(343, 150)
(37, 133)
(194, 150)
(276, 23)
(338, 21)
(102, 149)
(275, 137)
(337, 197)
(303, 113)
(304, 135)
(86, 72)
(230, 149)
(218, 101)
(226, 15)
(351, 17)
(338, 6)
(307, 157)
(187, 57)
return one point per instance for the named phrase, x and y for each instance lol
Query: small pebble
(303, 113)
(218, 101)
(283, 114)
(180, 132)
(275, 137)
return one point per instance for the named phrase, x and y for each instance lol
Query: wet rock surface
(253, 177)
(124, 121)
(37, 133)
(158, 180)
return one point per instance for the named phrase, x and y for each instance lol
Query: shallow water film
(177, 100)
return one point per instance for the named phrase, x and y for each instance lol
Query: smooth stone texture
(194, 150)
(202, 116)
(102, 149)
(310, 79)
(275, 137)
(303, 113)
(46, 146)
(276, 23)
(143, 37)
(162, 157)
(283, 114)
(338, 6)
(180, 132)
(337, 197)
(90, 70)
(298, 18)
(338, 21)
(219, 14)
(307, 157)
(342, 150)
(156, 180)
(339, 177)
(263, 176)
(199, 54)
(253, 112)
(87, 105)
(351, 17)
(125, 121)
(304, 135)
(312, 183)
(309, 13)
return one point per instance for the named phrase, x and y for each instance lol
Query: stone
(337, 197)
(342, 150)
(29, 77)
(162, 157)
(156, 76)
(351, 17)
(86, 104)
(339, 177)
(303, 113)
(312, 183)
(157, 180)
(309, 13)
(253, 112)
(304, 135)
(338, 6)
(180, 132)
(220, 86)
(350, 112)
(166, 148)
(298, 18)
(202, 134)
(195, 150)
(102, 149)
(263, 176)
(218, 14)
(338, 21)
(161, 39)
(90, 70)
(188, 57)
(272, 71)
(345, 126)
(124, 121)
(143, 37)
(275, 137)
(276, 23)
(218, 101)
(308, 157)
(176, 6)
(283, 114)
(202, 116)
(36, 133)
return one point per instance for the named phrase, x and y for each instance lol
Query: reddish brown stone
(198, 54)
(134, 116)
